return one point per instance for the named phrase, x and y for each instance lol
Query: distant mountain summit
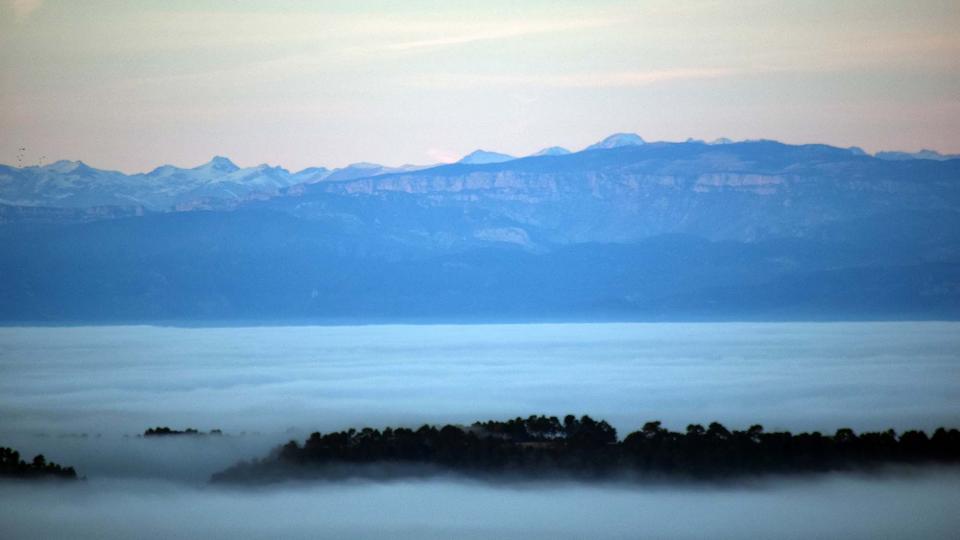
(552, 151)
(221, 183)
(922, 154)
(617, 140)
(219, 164)
(365, 170)
(216, 169)
(483, 157)
(311, 174)
(65, 166)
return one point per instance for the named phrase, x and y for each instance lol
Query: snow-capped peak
(721, 140)
(480, 157)
(552, 151)
(617, 140)
(64, 166)
(219, 164)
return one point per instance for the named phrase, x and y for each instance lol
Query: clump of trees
(11, 466)
(164, 431)
(588, 448)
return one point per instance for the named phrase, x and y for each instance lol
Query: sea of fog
(82, 395)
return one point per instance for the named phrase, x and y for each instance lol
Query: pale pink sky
(132, 85)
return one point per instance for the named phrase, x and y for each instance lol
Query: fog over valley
(270, 385)
(905, 506)
(798, 376)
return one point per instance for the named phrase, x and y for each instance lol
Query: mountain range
(625, 229)
(220, 183)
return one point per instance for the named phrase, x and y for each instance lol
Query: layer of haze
(80, 396)
(908, 505)
(277, 383)
(132, 85)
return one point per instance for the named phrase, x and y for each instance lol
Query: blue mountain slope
(922, 154)
(266, 266)
(481, 157)
(747, 230)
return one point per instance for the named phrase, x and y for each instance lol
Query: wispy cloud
(607, 79)
(641, 78)
(493, 33)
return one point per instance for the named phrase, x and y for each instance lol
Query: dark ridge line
(584, 448)
(11, 466)
(167, 432)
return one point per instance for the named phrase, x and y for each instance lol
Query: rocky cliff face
(741, 192)
(745, 191)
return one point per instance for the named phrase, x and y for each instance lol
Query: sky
(133, 85)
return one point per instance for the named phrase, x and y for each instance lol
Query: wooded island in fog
(11, 466)
(584, 448)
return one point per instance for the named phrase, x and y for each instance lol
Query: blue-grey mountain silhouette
(639, 231)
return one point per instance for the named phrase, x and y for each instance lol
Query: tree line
(11, 466)
(588, 448)
(164, 431)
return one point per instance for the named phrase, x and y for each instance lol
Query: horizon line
(689, 140)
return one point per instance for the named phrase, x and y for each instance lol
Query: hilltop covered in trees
(541, 446)
(165, 431)
(11, 466)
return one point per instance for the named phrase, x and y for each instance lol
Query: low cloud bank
(265, 386)
(277, 384)
(121, 380)
(921, 505)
